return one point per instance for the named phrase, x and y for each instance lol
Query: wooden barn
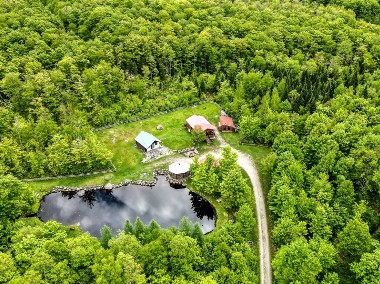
(206, 126)
(147, 142)
(226, 124)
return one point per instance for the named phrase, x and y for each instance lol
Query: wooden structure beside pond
(179, 170)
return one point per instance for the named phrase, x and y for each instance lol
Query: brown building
(206, 126)
(226, 124)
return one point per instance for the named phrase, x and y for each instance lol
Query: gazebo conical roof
(179, 168)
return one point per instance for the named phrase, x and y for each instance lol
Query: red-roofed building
(206, 126)
(226, 124)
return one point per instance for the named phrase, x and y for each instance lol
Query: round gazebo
(179, 170)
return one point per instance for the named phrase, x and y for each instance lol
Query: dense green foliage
(302, 77)
(368, 10)
(16, 199)
(51, 253)
(81, 64)
(325, 162)
(323, 165)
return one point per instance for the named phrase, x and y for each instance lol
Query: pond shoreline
(91, 208)
(110, 186)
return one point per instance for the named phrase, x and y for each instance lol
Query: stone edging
(157, 172)
(181, 151)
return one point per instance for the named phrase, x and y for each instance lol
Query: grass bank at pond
(222, 215)
(127, 158)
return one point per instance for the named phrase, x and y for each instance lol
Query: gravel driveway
(249, 166)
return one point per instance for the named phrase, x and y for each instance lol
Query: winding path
(249, 166)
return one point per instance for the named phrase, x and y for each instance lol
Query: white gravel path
(249, 166)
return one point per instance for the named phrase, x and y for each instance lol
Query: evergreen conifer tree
(105, 235)
(185, 226)
(139, 228)
(198, 234)
(128, 227)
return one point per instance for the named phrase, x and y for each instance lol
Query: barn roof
(201, 121)
(226, 120)
(146, 139)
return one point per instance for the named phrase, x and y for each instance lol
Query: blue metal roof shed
(147, 141)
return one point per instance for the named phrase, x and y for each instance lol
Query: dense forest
(368, 10)
(36, 252)
(300, 76)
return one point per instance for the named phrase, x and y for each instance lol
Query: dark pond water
(95, 209)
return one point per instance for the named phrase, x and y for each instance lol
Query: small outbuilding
(203, 159)
(147, 142)
(226, 124)
(179, 170)
(206, 126)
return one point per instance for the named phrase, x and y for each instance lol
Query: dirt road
(249, 166)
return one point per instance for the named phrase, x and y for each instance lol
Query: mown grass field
(127, 158)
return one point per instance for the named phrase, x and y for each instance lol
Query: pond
(94, 209)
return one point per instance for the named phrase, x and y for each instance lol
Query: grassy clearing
(127, 158)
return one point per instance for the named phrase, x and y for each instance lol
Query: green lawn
(127, 158)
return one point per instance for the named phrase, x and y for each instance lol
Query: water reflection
(201, 206)
(94, 209)
(68, 194)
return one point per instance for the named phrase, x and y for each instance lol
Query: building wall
(151, 147)
(189, 128)
(154, 145)
(210, 133)
(141, 147)
(179, 176)
(226, 128)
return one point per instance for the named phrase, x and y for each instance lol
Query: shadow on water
(201, 206)
(90, 197)
(68, 194)
(93, 209)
